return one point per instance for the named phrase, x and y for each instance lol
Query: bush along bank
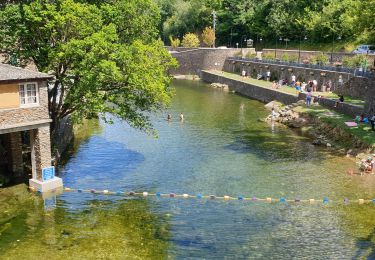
(323, 130)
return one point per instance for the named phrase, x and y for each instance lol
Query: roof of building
(12, 73)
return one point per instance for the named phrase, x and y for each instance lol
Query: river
(221, 148)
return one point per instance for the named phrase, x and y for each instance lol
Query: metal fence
(356, 72)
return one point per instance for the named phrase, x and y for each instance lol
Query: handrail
(355, 72)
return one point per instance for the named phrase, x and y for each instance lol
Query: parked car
(365, 49)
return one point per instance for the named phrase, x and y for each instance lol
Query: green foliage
(238, 54)
(190, 40)
(285, 57)
(268, 56)
(356, 61)
(293, 58)
(106, 59)
(321, 20)
(251, 55)
(175, 42)
(319, 59)
(208, 36)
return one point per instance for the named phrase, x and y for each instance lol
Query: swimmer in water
(169, 117)
(181, 117)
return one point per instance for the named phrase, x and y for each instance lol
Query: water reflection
(221, 148)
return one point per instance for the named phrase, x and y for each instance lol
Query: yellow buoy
(145, 194)
(185, 195)
(312, 201)
(361, 201)
(269, 199)
(226, 197)
(105, 191)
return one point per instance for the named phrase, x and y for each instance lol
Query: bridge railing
(356, 72)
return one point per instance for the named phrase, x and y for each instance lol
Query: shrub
(190, 40)
(208, 36)
(238, 54)
(268, 56)
(293, 58)
(356, 61)
(319, 59)
(174, 42)
(251, 55)
(285, 57)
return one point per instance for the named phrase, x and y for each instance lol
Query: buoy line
(325, 200)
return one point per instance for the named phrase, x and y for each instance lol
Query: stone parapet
(255, 92)
(267, 95)
(341, 82)
(336, 56)
(194, 60)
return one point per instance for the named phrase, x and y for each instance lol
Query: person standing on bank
(293, 80)
(268, 75)
(181, 117)
(372, 121)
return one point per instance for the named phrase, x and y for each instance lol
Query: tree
(208, 36)
(175, 42)
(190, 40)
(103, 64)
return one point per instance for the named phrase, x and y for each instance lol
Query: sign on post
(48, 173)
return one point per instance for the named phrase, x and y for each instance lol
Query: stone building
(24, 112)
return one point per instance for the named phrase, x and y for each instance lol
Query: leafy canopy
(105, 57)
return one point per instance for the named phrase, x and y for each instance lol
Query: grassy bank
(363, 135)
(362, 132)
(286, 89)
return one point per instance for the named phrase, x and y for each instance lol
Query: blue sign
(48, 173)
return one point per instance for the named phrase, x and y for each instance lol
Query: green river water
(221, 148)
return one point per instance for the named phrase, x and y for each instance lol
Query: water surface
(221, 148)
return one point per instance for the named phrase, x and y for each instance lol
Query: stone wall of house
(9, 117)
(41, 145)
(351, 85)
(193, 60)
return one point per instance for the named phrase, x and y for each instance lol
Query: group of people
(169, 117)
(369, 119)
(367, 166)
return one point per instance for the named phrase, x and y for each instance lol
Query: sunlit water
(221, 148)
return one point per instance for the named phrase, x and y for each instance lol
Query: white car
(365, 49)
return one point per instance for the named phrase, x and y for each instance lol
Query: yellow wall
(9, 96)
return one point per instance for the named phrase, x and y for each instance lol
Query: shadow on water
(275, 148)
(113, 162)
(366, 244)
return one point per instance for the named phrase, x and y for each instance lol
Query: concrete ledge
(24, 126)
(45, 186)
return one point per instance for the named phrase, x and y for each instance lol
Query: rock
(301, 102)
(317, 142)
(275, 105)
(329, 145)
(219, 85)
